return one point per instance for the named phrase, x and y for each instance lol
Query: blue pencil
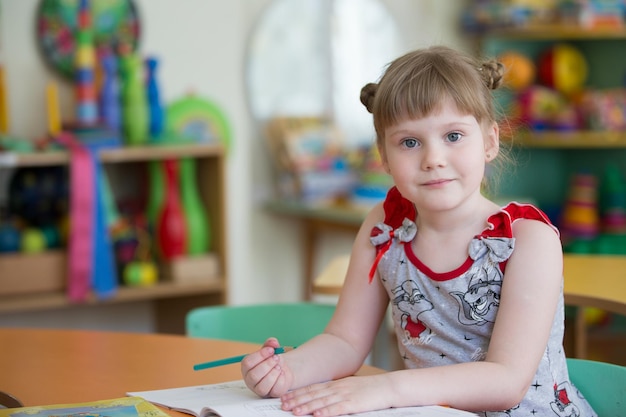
(227, 361)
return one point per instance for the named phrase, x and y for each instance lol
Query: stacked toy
(613, 201)
(85, 61)
(580, 214)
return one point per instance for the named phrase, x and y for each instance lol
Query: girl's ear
(492, 142)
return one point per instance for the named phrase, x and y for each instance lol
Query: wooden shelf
(171, 299)
(557, 31)
(571, 140)
(117, 155)
(55, 300)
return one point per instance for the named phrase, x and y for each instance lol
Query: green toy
(198, 231)
(134, 102)
(198, 120)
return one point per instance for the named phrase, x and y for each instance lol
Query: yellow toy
(564, 68)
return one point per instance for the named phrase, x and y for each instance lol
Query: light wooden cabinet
(171, 299)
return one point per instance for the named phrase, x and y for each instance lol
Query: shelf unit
(546, 160)
(171, 300)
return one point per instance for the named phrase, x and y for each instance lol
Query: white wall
(202, 46)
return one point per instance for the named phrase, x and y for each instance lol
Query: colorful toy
(114, 26)
(580, 214)
(604, 110)
(54, 113)
(155, 195)
(155, 107)
(84, 66)
(134, 102)
(198, 232)
(542, 108)
(110, 112)
(52, 236)
(172, 239)
(4, 107)
(564, 68)
(199, 120)
(10, 238)
(32, 241)
(140, 271)
(613, 201)
(140, 274)
(520, 70)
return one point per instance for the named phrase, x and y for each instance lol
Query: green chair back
(603, 385)
(291, 323)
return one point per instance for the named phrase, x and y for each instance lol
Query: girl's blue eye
(410, 142)
(454, 137)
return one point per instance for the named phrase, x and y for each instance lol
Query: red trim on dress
(499, 224)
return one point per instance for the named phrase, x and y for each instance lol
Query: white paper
(234, 399)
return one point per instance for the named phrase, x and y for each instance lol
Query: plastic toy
(580, 214)
(542, 108)
(52, 236)
(10, 238)
(198, 234)
(141, 271)
(134, 102)
(4, 107)
(197, 119)
(115, 26)
(155, 195)
(32, 241)
(84, 66)
(54, 113)
(110, 112)
(140, 274)
(171, 227)
(564, 68)
(520, 70)
(604, 110)
(613, 201)
(155, 107)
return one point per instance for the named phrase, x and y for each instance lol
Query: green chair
(291, 323)
(603, 385)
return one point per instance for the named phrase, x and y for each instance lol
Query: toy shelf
(171, 298)
(570, 140)
(556, 31)
(124, 154)
(162, 290)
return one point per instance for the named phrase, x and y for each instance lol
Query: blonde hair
(415, 84)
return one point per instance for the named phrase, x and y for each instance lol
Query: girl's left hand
(344, 396)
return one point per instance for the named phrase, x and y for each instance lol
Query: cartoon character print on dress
(412, 303)
(562, 404)
(479, 304)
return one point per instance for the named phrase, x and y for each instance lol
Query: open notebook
(234, 399)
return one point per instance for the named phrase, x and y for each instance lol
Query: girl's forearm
(468, 386)
(323, 358)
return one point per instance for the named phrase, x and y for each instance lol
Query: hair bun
(367, 96)
(493, 72)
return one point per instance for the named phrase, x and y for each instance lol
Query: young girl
(475, 289)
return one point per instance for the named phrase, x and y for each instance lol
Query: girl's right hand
(265, 372)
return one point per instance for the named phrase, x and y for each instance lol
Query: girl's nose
(433, 157)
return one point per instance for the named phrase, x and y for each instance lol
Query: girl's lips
(436, 182)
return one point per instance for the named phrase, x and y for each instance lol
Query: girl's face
(438, 161)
